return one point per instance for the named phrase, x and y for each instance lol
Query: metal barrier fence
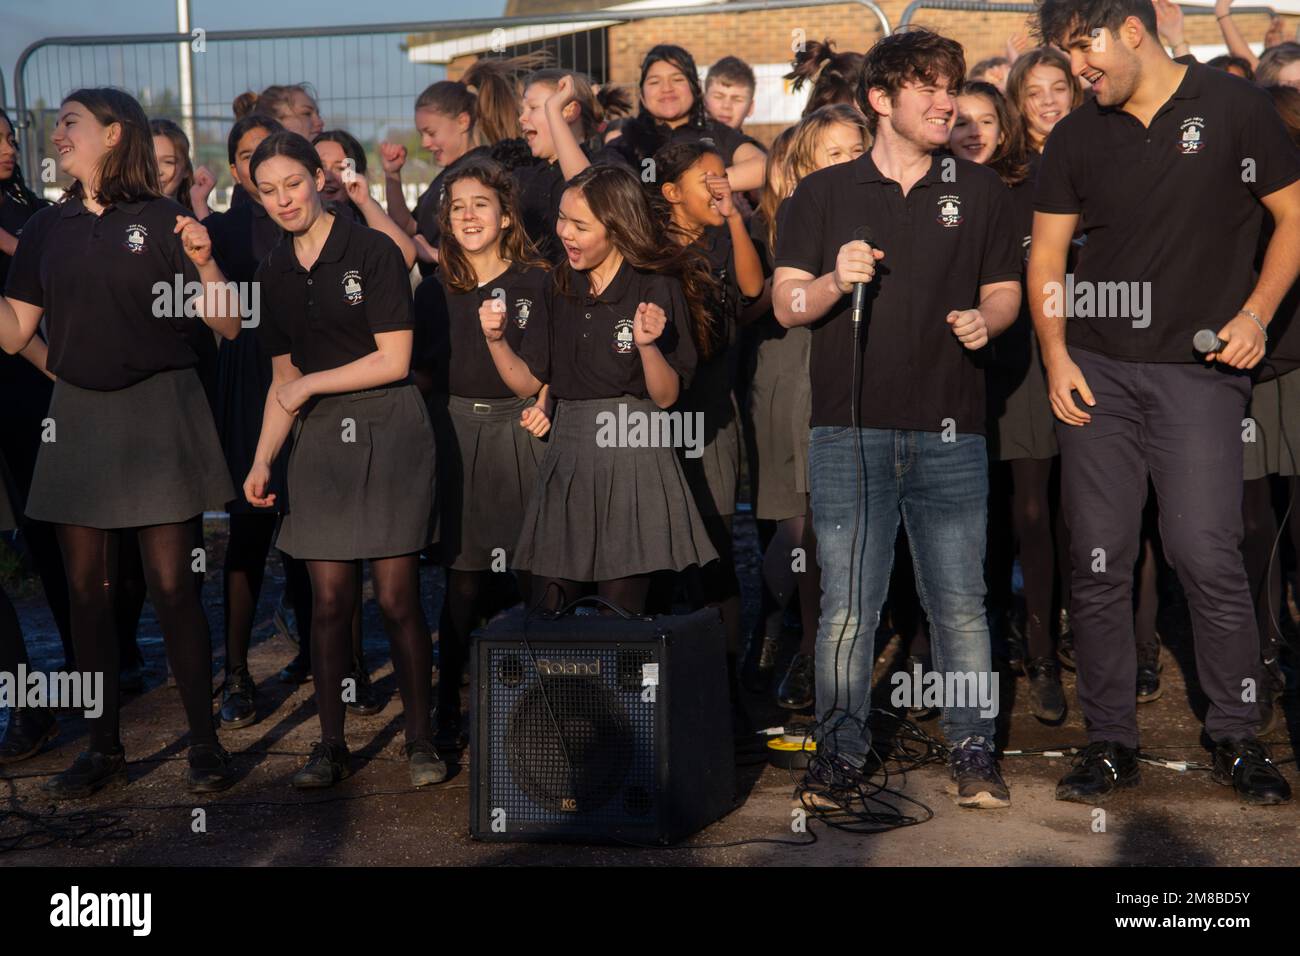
(388, 66)
(978, 6)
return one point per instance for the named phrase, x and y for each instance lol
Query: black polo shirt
(14, 214)
(94, 276)
(328, 316)
(449, 338)
(242, 237)
(426, 208)
(1167, 205)
(584, 346)
(942, 241)
(541, 187)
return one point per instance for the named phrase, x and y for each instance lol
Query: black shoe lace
(974, 759)
(1098, 752)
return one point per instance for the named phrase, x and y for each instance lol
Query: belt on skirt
(487, 409)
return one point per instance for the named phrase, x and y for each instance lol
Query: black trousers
(1180, 425)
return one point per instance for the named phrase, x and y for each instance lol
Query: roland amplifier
(598, 728)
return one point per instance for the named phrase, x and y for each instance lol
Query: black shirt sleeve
(388, 288)
(1264, 139)
(799, 229)
(270, 334)
(1057, 189)
(1000, 261)
(24, 280)
(676, 342)
(535, 350)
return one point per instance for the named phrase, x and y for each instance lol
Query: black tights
(297, 586)
(246, 551)
(12, 650)
(335, 587)
(91, 557)
(628, 593)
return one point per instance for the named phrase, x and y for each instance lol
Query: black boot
(327, 765)
(1046, 696)
(90, 772)
(1148, 673)
(29, 729)
(760, 655)
(799, 686)
(237, 701)
(211, 769)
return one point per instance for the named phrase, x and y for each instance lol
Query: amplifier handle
(595, 599)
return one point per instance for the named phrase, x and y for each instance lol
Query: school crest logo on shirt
(352, 287)
(135, 239)
(522, 308)
(949, 211)
(1192, 137)
(623, 336)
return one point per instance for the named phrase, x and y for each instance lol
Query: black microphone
(1205, 341)
(862, 234)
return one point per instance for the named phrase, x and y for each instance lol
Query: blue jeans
(940, 490)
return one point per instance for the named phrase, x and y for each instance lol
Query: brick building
(611, 51)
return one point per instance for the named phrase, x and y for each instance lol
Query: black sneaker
(1065, 641)
(211, 769)
(29, 729)
(426, 766)
(298, 670)
(237, 706)
(367, 702)
(974, 768)
(1046, 696)
(1102, 768)
(799, 686)
(91, 772)
(1244, 766)
(327, 765)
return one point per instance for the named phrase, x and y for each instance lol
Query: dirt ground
(376, 819)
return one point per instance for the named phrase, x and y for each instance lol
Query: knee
(331, 604)
(172, 590)
(90, 592)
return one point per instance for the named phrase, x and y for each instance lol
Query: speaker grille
(584, 747)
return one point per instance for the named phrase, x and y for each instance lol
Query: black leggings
(1023, 521)
(335, 588)
(12, 650)
(91, 559)
(629, 593)
(246, 551)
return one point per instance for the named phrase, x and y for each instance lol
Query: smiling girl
(618, 341)
(337, 326)
(489, 445)
(135, 447)
(1041, 89)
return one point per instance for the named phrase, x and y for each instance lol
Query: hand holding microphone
(1239, 344)
(855, 266)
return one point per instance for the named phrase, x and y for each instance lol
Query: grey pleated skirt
(780, 406)
(143, 455)
(1274, 451)
(600, 513)
(360, 477)
(487, 469)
